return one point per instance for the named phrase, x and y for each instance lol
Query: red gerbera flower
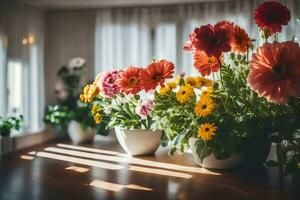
(206, 64)
(272, 16)
(156, 73)
(241, 41)
(275, 71)
(129, 80)
(190, 44)
(214, 40)
(225, 25)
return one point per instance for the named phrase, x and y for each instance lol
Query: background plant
(68, 106)
(10, 123)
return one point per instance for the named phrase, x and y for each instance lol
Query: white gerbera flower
(76, 62)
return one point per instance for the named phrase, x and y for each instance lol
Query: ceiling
(78, 4)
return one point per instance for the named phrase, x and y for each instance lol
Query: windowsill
(27, 132)
(24, 140)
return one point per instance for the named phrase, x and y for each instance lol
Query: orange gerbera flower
(156, 73)
(206, 64)
(129, 80)
(240, 40)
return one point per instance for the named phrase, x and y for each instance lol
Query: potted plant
(68, 113)
(124, 97)
(6, 125)
(226, 120)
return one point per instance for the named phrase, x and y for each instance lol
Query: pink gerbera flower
(106, 81)
(144, 108)
(275, 71)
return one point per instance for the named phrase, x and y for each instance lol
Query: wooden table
(102, 171)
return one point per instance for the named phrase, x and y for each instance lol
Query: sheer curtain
(21, 61)
(2, 73)
(134, 36)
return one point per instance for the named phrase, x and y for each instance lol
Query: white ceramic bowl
(78, 135)
(211, 162)
(138, 141)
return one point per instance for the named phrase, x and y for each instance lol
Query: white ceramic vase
(138, 141)
(78, 134)
(211, 162)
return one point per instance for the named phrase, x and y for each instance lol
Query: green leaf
(281, 155)
(202, 150)
(272, 163)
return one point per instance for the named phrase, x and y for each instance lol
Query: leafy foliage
(7, 124)
(120, 110)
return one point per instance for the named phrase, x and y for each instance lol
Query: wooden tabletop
(102, 170)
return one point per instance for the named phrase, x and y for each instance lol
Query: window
(14, 87)
(21, 84)
(2, 75)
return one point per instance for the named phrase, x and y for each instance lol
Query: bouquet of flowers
(123, 97)
(252, 98)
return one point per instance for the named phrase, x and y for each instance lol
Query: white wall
(68, 34)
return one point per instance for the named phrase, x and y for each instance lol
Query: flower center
(278, 69)
(157, 77)
(215, 40)
(204, 107)
(183, 92)
(206, 129)
(110, 81)
(133, 81)
(211, 59)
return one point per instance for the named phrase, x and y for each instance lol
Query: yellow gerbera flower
(97, 118)
(95, 109)
(206, 131)
(89, 93)
(185, 93)
(191, 80)
(172, 85)
(164, 91)
(205, 106)
(208, 92)
(200, 82)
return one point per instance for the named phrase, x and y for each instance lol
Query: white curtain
(19, 22)
(2, 73)
(134, 36)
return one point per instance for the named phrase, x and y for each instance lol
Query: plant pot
(6, 145)
(211, 162)
(78, 134)
(255, 151)
(138, 141)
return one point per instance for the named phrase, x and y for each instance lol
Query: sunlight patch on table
(116, 187)
(81, 161)
(160, 172)
(87, 149)
(78, 169)
(32, 152)
(25, 157)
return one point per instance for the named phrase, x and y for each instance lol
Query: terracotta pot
(138, 141)
(211, 162)
(79, 134)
